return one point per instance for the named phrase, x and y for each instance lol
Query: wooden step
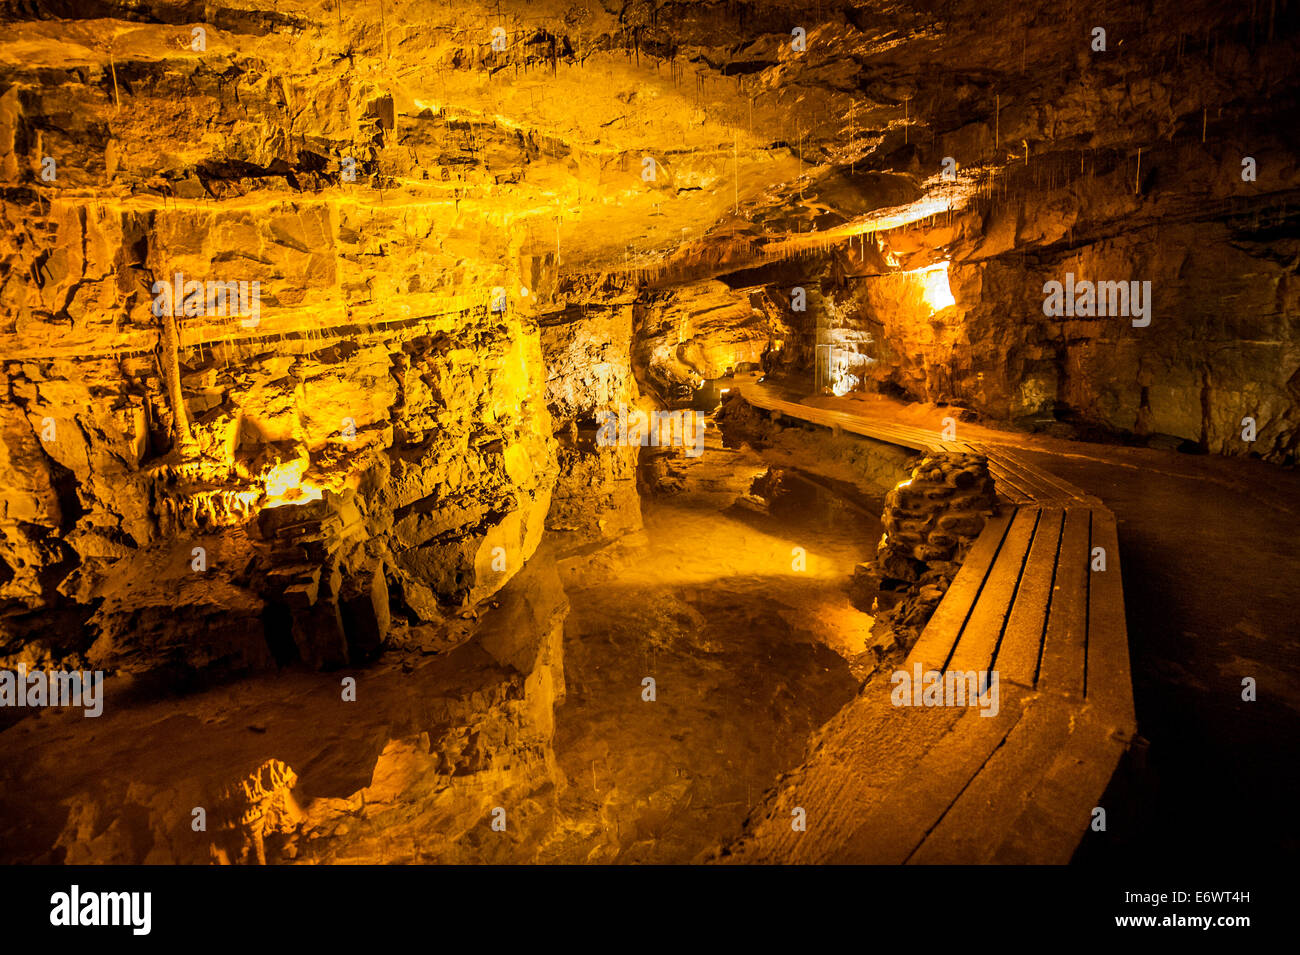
(1108, 684)
(861, 755)
(936, 643)
(889, 833)
(986, 812)
(945, 784)
(1065, 642)
(1022, 640)
(1051, 486)
(1058, 812)
(979, 638)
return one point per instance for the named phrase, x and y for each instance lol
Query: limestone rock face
(590, 375)
(383, 400)
(596, 497)
(588, 364)
(700, 331)
(407, 458)
(363, 266)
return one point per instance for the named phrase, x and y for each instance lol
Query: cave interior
(541, 431)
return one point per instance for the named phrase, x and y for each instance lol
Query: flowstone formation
(253, 809)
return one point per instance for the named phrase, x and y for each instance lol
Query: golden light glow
(284, 485)
(935, 289)
(881, 220)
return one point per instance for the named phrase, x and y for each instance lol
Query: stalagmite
(169, 362)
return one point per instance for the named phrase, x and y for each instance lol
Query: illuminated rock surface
(463, 256)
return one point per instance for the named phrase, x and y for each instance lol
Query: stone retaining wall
(931, 520)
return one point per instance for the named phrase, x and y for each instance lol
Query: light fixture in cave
(934, 287)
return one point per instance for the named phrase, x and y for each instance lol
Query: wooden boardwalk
(943, 784)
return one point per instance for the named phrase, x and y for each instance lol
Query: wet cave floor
(748, 654)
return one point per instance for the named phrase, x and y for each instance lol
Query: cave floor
(1208, 548)
(751, 648)
(749, 657)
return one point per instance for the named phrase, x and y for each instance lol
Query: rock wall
(699, 331)
(589, 367)
(369, 443)
(412, 457)
(460, 252)
(1168, 158)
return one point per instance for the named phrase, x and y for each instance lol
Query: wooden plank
(1001, 475)
(1005, 481)
(916, 438)
(1065, 644)
(1026, 478)
(1042, 480)
(918, 441)
(908, 436)
(1030, 480)
(913, 442)
(1109, 684)
(1059, 812)
(979, 638)
(858, 758)
(1022, 641)
(890, 832)
(936, 642)
(987, 811)
(1059, 485)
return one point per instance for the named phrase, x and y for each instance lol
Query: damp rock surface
(309, 312)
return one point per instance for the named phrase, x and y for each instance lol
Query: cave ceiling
(604, 141)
